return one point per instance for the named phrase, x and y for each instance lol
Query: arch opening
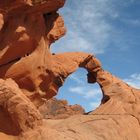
(76, 90)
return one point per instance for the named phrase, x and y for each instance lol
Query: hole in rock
(76, 90)
(7, 126)
(46, 15)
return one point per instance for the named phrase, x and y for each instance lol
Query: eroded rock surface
(31, 75)
(25, 40)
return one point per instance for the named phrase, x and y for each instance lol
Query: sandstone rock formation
(30, 75)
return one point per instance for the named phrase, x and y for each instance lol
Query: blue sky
(110, 30)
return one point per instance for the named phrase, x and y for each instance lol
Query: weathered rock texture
(30, 75)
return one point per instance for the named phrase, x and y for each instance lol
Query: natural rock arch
(29, 72)
(119, 100)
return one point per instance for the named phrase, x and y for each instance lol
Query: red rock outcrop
(15, 103)
(117, 118)
(30, 74)
(23, 39)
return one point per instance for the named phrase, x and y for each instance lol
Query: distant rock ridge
(59, 109)
(30, 77)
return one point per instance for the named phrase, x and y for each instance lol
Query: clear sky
(109, 29)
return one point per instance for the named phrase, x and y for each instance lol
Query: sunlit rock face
(31, 75)
(25, 47)
(25, 39)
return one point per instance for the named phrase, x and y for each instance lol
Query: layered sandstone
(31, 75)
